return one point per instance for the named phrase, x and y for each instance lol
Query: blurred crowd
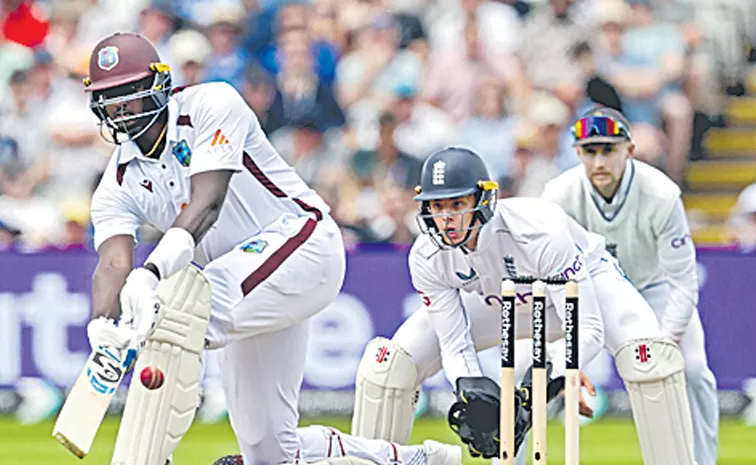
(355, 93)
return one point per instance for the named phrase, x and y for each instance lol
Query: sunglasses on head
(599, 126)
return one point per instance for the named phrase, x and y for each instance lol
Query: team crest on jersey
(183, 153)
(254, 246)
(107, 57)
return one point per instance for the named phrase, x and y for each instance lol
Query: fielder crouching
(472, 242)
(195, 163)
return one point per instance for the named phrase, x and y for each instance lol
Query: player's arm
(115, 223)
(447, 316)
(116, 258)
(208, 192)
(223, 122)
(561, 257)
(677, 258)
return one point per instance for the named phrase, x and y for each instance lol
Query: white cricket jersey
(210, 127)
(524, 237)
(645, 228)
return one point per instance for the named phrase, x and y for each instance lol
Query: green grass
(607, 442)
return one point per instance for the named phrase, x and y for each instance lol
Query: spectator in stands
(662, 47)
(455, 75)
(21, 22)
(258, 26)
(305, 145)
(422, 128)
(259, 90)
(228, 58)
(396, 224)
(640, 87)
(64, 41)
(375, 68)
(295, 18)
(300, 94)
(13, 57)
(77, 152)
(489, 131)
(190, 51)
(741, 226)
(75, 223)
(157, 21)
(24, 165)
(549, 34)
(547, 121)
(499, 26)
(387, 165)
(597, 91)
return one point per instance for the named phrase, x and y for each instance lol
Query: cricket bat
(89, 398)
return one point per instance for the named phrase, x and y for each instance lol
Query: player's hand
(141, 307)
(103, 332)
(583, 407)
(475, 415)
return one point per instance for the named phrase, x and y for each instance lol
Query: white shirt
(645, 228)
(524, 237)
(210, 127)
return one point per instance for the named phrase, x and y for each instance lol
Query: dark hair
(256, 75)
(19, 76)
(387, 119)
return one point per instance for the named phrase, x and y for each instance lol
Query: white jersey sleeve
(223, 124)
(561, 256)
(677, 259)
(112, 209)
(448, 317)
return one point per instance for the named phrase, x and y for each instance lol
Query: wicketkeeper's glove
(475, 415)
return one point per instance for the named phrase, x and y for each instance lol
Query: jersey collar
(129, 150)
(610, 210)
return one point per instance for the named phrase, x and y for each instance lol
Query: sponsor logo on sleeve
(680, 241)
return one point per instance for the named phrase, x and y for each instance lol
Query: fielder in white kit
(471, 243)
(195, 164)
(639, 211)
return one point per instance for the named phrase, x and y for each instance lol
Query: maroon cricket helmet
(119, 59)
(127, 58)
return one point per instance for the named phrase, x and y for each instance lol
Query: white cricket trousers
(263, 294)
(322, 442)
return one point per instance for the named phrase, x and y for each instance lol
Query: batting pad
(154, 421)
(385, 393)
(653, 371)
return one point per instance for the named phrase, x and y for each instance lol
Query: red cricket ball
(152, 377)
